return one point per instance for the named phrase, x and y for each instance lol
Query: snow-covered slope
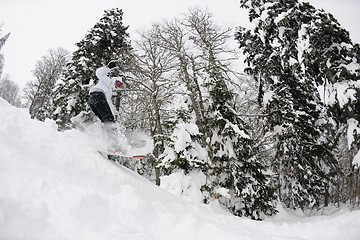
(54, 185)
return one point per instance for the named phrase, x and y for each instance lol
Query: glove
(118, 83)
(112, 64)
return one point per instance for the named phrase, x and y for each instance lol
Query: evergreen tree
(183, 148)
(280, 52)
(232, 151)
(107, 40)
(234, 156)
(336, 74)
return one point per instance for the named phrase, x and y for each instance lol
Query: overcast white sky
(37, 26)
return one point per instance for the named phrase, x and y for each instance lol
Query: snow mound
(55, 185)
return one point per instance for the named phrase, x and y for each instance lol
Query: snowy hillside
(56, 186)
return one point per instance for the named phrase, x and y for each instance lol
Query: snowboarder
(100, 100)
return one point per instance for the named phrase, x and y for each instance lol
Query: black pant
(100, 107)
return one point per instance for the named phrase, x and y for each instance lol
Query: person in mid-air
(100, 100)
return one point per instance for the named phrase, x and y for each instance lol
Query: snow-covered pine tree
(234, 166)
(277, 52)
(183, 149)
(334, 62)
(107, 40)
(3, 39)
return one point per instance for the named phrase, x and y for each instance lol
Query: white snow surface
(55, 185)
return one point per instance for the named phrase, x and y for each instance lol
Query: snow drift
(55, 185)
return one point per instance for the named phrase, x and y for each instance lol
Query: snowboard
(121, 155)
(133, 162)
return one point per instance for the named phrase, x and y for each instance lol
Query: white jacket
(106, 85)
